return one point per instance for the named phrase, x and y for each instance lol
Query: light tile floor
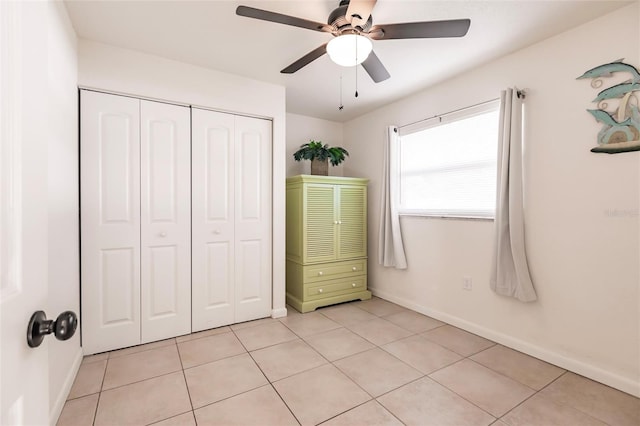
(359, 363)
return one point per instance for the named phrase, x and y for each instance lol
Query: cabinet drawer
(333, 270)
(335, 287)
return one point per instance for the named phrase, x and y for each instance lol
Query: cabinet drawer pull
(354, 269)
(320, 273)
(353, 284)
(319, 290)
(163, 234)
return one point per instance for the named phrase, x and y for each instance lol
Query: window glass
(449, 169)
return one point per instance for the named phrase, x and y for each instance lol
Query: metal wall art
(621, 121)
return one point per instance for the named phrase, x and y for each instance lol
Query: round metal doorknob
(64, 327)
(163, 234)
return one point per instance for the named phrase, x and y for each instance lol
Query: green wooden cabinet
(326, 241)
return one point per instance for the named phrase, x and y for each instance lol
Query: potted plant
(320, 155)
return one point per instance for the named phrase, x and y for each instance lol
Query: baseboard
(279, 313)
(56, 409)
(608, 378)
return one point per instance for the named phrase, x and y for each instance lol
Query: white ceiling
(209, 34)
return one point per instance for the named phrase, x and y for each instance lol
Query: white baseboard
(624, 384)
(279, 313)
(56, 409)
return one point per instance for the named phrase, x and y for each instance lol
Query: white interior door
(110, 221)
(213, 188)
(165, 220)
(24, 371)
(252, 218)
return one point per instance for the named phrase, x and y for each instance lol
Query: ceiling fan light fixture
(349, 50)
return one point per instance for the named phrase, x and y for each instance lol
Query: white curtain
(390, 247)
(510, 272)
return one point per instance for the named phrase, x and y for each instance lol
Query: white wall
(125, 71)
(584, 259)
(301, 129)
(61, 101)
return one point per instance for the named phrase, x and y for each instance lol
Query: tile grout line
(536, 393)
(427, 375)
(104, 374)
(268, 381)
(561, 403)
(186, 383)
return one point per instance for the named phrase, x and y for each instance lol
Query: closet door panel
(110, 221)
(213, 246)
(253, 218)
(166, 220)
(219, 270)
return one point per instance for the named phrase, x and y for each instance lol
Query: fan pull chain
(356, 68)
(341, 107)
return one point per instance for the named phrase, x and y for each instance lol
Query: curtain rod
(519, 93)
(449, 113)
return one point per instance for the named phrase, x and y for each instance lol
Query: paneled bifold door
(135, 221)
(231, 219)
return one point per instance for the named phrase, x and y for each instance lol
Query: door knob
(64, 327)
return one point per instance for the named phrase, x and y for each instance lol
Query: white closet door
(110, 221)
(213, 271)
(253, 285)
(165, 220)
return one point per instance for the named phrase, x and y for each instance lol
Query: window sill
(436, 216)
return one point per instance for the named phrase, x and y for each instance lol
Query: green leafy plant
(315, 150)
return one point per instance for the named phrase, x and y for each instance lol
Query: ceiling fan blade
(279, 18)
(375, 69)
(359, 11)
(432, 29)
(305, 60)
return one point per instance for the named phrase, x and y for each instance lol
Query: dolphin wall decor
(620, 130)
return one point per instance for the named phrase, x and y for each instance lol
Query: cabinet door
(165, 220)
(352, 222)
(213, 247)
(252, 226)
(110, 221)
(320, 223)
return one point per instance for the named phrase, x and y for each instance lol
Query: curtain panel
(390, 246)
(510, 271)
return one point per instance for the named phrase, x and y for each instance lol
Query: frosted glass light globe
(349, 50)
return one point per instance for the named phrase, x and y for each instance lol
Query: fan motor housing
(338, 20)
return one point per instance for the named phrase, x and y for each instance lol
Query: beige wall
(301, 129)
(582, 222)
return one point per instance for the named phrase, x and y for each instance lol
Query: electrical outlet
(467, 283)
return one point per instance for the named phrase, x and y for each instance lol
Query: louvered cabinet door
(320, 223)
(352, 222)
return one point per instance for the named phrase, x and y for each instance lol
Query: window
(448, 166)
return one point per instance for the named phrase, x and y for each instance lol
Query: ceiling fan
(352, 26)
